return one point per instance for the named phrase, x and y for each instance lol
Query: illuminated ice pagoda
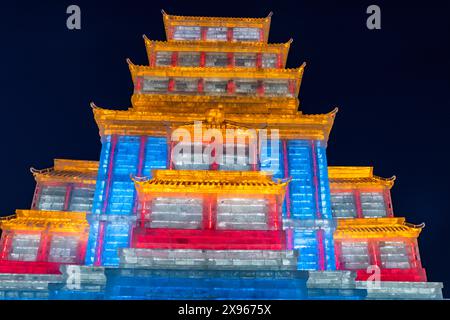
(271, 222)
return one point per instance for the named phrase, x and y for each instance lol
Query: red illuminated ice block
(208, 239)
(414, 275)
(33, 267)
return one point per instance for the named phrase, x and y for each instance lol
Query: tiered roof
(218, 73)
(356, 177)
(68, 171)
(159, 124)
(199, 104)
(38, 220)
(369, 228)
(170, 21)
(153, 46)
(212, 182)
(157, 113)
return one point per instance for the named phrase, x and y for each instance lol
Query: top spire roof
(216, 28)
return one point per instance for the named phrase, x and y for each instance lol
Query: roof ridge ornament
(136, 178)
(415, 226)
(334, 111)
(39, 171)
(215, 115)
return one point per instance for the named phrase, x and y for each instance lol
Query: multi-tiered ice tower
(272, 221)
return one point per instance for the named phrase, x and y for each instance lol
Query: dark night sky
(392, 87)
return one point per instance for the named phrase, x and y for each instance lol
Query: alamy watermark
(374, 20)
(73, 21)
(374, 279)
(205, 145)
(73, 277)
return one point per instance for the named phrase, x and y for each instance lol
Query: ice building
(268, 219)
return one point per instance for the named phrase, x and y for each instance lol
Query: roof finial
(415, 226)
(136, 178)
(270, 14)
(334, 111)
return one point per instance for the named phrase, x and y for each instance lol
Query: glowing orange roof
(375, 228)
(38, 220)
(199, 104)
(290, 126)
(212, 182)
(172, 20)
(69, 171)
(86, 166)
(218, 46)
(356, 177)
(218, 72)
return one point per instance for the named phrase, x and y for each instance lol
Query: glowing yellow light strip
(58, 221)
(375, 228)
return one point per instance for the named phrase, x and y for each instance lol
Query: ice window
(246, 87)
(163, 58)
(155, 85)
(395, 254)
(373, 205)
(186, 33)
(189, 59)
(246, 34)
(25, 247)
(276, 88)
(269, 60)
(81, 199)
(216, 33)
(242, 214)
(215, 86)
(354, 255)
(178, 213)
(245, 60)
(186, 85)
(343, 205)
(216, 59)
(63, 249)
(52, 198)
